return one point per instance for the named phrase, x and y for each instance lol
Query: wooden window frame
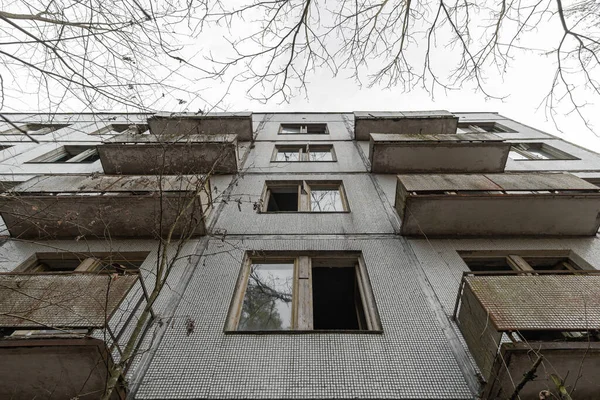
(516, 258)
(87, 262)
(303, 128)
(302, 311)
(304, 151)
(304, 190)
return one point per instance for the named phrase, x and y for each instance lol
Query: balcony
(460, 153)
(529, 204)
(185, 124)
(131, 154)
(51, 327)
(406, 122)
(509, 319)
(107, 206)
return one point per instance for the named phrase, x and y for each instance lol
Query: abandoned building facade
(296, 255)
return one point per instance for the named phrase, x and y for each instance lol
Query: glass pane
(291, 129)
(515, 155)
(540, 154)
(268, 299)
(320, 155)
(324, 200)
(288, 155)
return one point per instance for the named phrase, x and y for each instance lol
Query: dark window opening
(67, 262)
(550, 264)
(283, 199)
(489, 264)
(558, 336)
(54, 265)
(337, 303)
(525, 261)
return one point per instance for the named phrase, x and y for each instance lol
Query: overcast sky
(523, 85)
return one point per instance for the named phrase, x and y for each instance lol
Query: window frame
(115, 129)
(44, 129)
(478, 127)
(94, 262)
(304, 151)
(516, 259)
(53, 156)
(304, 195)
(304, 128)
(523, 148)
(302, 311)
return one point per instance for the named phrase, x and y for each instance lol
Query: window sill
(303, 212)
(552, 159)
(302, 162)
(298, 332)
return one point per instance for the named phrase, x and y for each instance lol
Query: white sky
(525, 88)
(524, 83)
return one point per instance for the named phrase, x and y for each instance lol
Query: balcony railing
(184, 124)
(405, 122)
(510, 204)
(130, 154)
(509, 319)
(460, 153)
(73, 206)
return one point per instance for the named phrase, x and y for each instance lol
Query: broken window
(337, 300)
(294, 196)
(303, 129)
(282, 198)
(537, 151)
(496, 261)
(483, 127)
(296, 153)
(69, 154)
(325, 292)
